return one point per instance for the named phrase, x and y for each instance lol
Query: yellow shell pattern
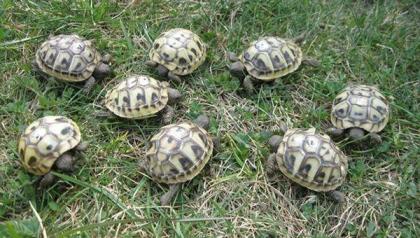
(46, 139)
(360, 106)
(311, 160)
(137, 97)
(178, 153)
(67, 57)
(270, 58)
(179, 50)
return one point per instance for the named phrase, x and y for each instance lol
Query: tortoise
(48, 144)
(359, 109)
(177, 153)
(268, 59)
(71, 58)
(141, 96)
(309, 159)
(177, 52)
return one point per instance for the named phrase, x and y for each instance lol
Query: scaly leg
(65, 162)
(335, 132)
(270, 165)
(248, 84)
(167, 197)
(356, 133)
(174, 77)
(46, 181)
(337, 196)
(167, 114)
(89, 84)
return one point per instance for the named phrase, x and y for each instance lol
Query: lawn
(370, 42)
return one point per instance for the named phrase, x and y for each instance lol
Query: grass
(371, 42)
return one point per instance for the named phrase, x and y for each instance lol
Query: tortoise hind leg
(167, 197)
(311, 62)
(203, 121)
(300, 38)
(217, 144)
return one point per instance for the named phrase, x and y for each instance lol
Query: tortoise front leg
(106, 59)
(270, 166)
(232, 57)
(274, 142)
(337, 196)
(82, 146)
(101, 71)
(151, 64)
(248, 84)
(356, 133)
(162, 70)
(46, 181)
(89, 84)
(237, 70)
(65, 162)
(335, 132)
(168, 196)
(375, 138)
(174, 77)
(311, 62)
(167, 114)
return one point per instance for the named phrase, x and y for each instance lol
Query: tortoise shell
(138, 97)
(67, 57)
(270, 58)
(178, 152)
(46, 139)
(360, 106)
(179, 50)
(311, 159)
